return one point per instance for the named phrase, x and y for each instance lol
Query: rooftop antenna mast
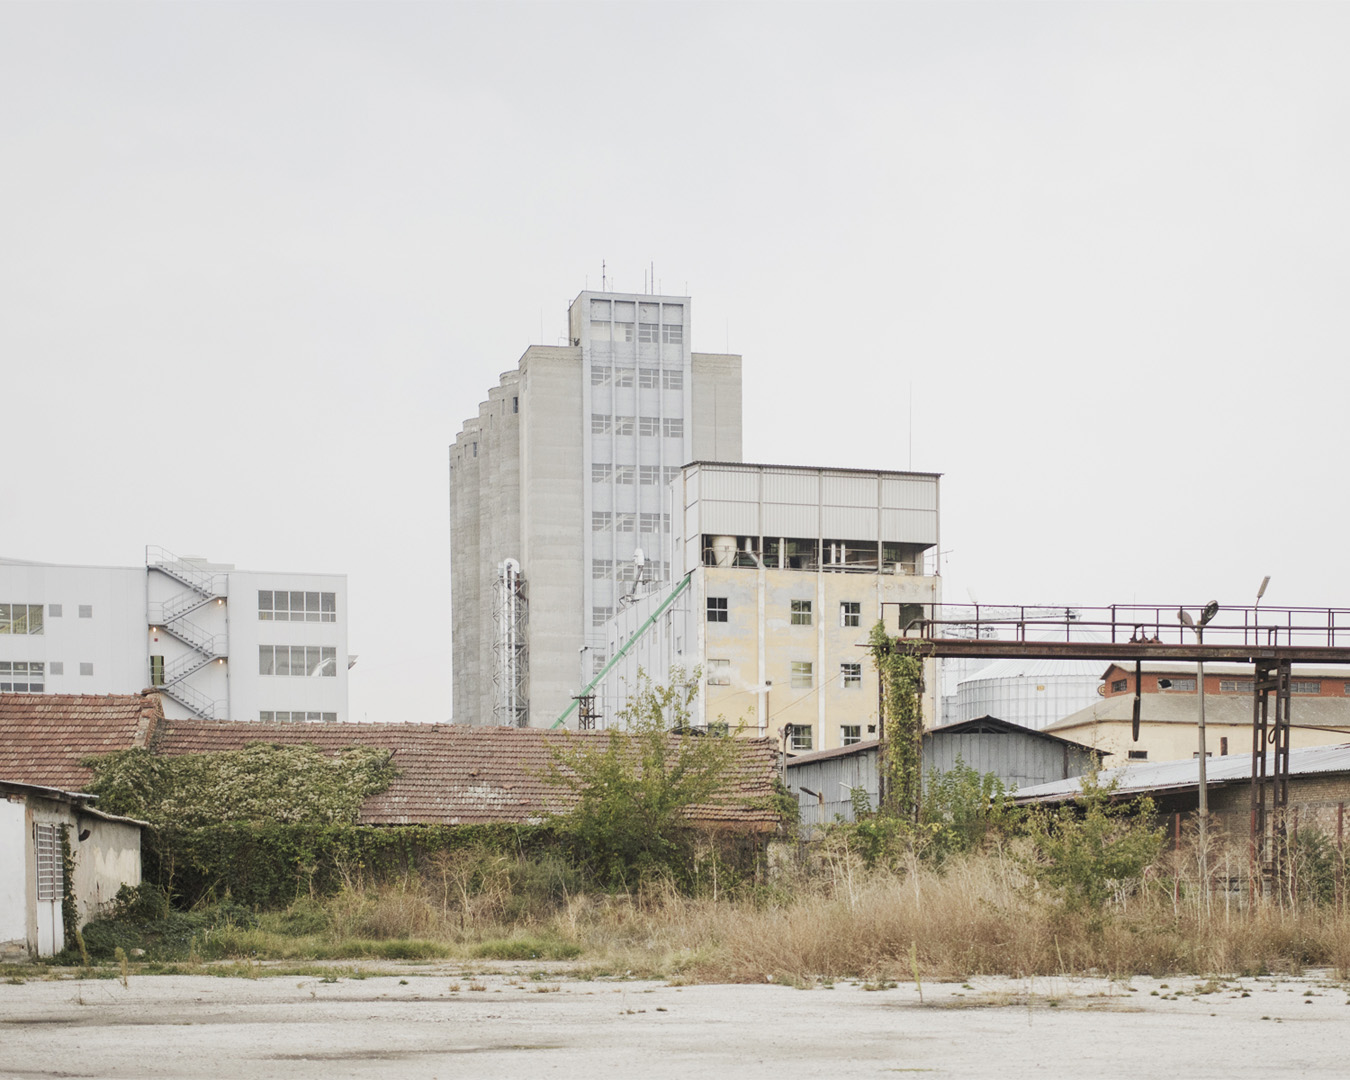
(602, 276)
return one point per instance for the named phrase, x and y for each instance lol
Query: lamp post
(1211, 609)
(1256, 617)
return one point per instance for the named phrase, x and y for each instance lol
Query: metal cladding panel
(849, 490)
(791, 487)
(908, 494)
(1017, 760)
(731, 518)
(833, 778)
(731, 485)
(785, 520)
(691, 486)
(848, 523)
(909, 526)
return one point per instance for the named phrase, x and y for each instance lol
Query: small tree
(634, 786)
(1095, 848)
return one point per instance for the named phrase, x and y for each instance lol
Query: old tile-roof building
(448, 774)
(454, 774)
(44, 737)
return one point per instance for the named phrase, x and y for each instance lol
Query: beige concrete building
(781, 573)
(559, 481)
(1319, 711)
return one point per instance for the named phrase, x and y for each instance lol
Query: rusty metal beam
(1127, 652)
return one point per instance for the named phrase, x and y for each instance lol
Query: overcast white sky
(259, 262)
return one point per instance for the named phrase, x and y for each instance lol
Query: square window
(850, 614)
(601, 615)
(672, 334)
(600, 520)
(600, 374)
(265, 660)
(649, 474)
(672, 379)
(799, 736)
(86, 611)
(624, 523)
(328, 606)
(266, 716)
(801, 613)
(600, 423)
(650, 523)
(330, 718)
(600, 474)
(53, 611)
(624, 474)
(672, 427)
(328, 661)
(1119, 685)
(602, 568)
(623, 331)
(850, 734)
(719, 672)
(648, 378)
(623, 377)
(86, 669)
(717, 609)
(851, 675)
(802, 675)
(58, 667)
(623, 425)
(649, 425)
(648, 333)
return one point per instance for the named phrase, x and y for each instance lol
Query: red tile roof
(44, 737)
(454, 774)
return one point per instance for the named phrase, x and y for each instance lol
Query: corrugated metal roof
(1146, 777)
(1177, 707)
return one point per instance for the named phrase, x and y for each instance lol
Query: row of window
(672, 427)
(602, 569)
(603, 520)
(297, 660)
(646, 378)
(296, 716)
(647, 333)
(280, 606)
(799, 736)
(27, 618)
(29, 676)
(647, 475)
(802, 674)
(850, 612)
(1227, 686)
(22, 677)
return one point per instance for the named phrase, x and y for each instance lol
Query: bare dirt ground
(451, 1022)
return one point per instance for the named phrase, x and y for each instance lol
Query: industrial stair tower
(201, 587)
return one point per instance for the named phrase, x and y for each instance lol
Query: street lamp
(1256, 617)
(1211, 609)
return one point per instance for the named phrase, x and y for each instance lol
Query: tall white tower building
(559, 482)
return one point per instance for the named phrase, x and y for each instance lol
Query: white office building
(557, 483)
(219, 643)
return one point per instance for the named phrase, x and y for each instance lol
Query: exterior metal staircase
(202, 587)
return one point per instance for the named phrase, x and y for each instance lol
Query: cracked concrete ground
(452, 1023)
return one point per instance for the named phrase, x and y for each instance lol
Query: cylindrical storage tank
(1033, 693)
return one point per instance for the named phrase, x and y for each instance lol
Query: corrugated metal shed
(824, 779)
(1162, 776)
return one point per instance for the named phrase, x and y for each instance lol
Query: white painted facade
(210, 637)
(781, 572)
(106, 852)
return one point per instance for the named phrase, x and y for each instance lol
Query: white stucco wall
(108, 859)
(13, 881)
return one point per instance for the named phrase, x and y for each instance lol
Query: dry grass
(826, 917)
